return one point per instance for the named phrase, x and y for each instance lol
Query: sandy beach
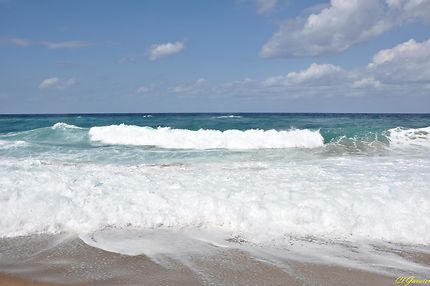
(43, 260)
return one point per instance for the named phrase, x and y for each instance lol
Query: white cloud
(66, 44)
(237, 85)
(276, 81)
(50, 45)
(159, 51)
(341, 25)
(366, 82)
(56, 83)
(412, 8)
(315, 73)
(49, 82)
(315, 9)
(402, 70)
(406, 62)
(142, 89)
(265, 6)
(402, 52)
(20, 42)
(189, 87)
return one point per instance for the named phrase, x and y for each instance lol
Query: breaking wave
(262, 203)
(62, 125)
(61, 133)
(401, 137)
(166, 137)
(264, 197)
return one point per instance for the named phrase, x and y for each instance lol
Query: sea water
(263, 178)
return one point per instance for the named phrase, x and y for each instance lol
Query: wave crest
(166, 137)
(62, 125)
(228, 116)
(401, 137)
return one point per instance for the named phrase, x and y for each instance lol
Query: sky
(214, 56)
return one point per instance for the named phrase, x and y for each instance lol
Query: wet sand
(39, 260)
(6, 280)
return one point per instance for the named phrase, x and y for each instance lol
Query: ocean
(265, 180)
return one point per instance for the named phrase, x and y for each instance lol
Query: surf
(166, 137)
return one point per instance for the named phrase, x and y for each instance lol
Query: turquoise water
(331, 125)
(264, 177)
(357, 132)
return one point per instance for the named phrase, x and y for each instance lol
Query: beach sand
(41, 260)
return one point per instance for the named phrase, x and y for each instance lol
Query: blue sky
(214, 56)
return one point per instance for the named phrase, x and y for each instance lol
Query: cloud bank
(341, 25)
(397, 71)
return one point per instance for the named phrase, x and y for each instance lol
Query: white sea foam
(7, 144)
(62, 125)
(350, 198)
(155, 242)
(267, 198)
(228, 116)
(402, 137)
(166, 137)
(184, 245)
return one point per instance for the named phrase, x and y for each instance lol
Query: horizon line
(215, 112)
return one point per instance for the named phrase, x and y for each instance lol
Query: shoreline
(51, 260)
(10, 280)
